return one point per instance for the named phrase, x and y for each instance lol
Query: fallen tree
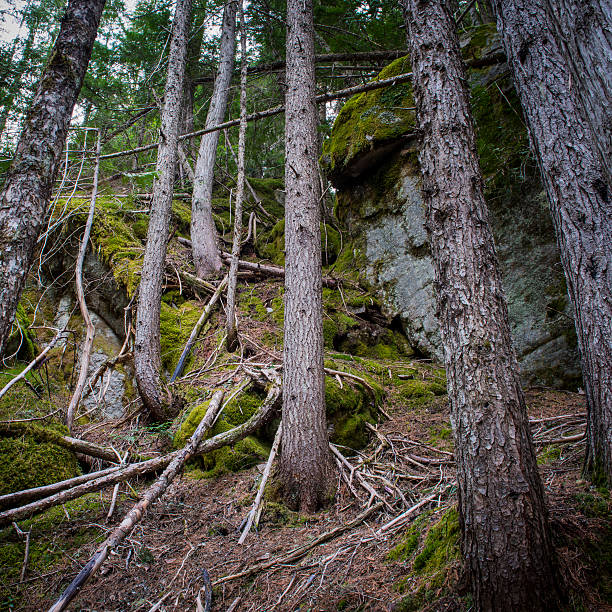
(138, 510)
(142, 468)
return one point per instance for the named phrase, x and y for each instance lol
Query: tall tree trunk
(27, 189)
(580, 202)
(203, 232)
(147, 348)
(305, 459)
(506, 541)
(584, 30)
(232, 332)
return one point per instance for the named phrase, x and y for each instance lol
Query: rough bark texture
(147, 348)
(232, 330)
(27, 189)
(305, 459)
(505, 535)
(579, 198)
(584, 30)
(203, 232)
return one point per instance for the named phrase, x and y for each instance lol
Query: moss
(252, 305)
(370, 119)
(176, 325)
(112, 237)
(268, 189)
(276, 514)
(442, 433)
(31, 459)
(348, 409)
(440, 551)
(416, 388)
(46, 549)
(241, 455)
(181, 215)
(409, 543)
(549, 453)
(21, 342)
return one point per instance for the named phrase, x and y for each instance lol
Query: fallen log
(142, 468)
(138, 510)
(46, 435)
(18, 498)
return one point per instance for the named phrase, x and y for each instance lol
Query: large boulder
(372, 158)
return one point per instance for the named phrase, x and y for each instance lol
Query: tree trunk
(27, 189)
(506, 541)
(305, 458)
(232, 331)
(203, 232)
(147, 348)
(579, 197)
(584, 30)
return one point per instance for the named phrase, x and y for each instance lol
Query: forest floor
(411, 566)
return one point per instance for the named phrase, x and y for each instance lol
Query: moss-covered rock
(431, 566)
(369, 121)
(348, 408)
(32, 459)
(176, 324)
(239, 456)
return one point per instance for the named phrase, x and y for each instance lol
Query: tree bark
(506, 540)
(203, 232)
(27, 189)
(584, 31)
(147, 348)
(579, 197)
(232, 331)
(305, 459)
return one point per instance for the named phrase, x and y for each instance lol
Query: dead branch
(33, 364)
(194, 281)
(138, 510)
(301, 551)
(195, 332)
(257, 504)
(268, 408)
(13, 500)
(90, 328)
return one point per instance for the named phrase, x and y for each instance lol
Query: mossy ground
(75, 520)
(429, 557)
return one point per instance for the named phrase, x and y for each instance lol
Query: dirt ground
(194, 529)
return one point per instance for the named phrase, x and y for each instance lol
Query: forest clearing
(306, 306)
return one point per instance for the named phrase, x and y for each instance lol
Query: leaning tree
(506, 542)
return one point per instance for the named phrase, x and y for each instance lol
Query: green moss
(440, 551)
(348, 409)
(181, 215)
(31, 459)
(21, 342)
(369, 119)
(549, 453)
(416, 388)
(410, 540)
(46, 549)
(441, 433)
(268, 190)
(176, 325)
(112, 237)
(241, 455)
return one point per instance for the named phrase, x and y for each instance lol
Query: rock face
(380, 202)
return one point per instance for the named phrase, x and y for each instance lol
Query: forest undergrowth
(389, 540)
